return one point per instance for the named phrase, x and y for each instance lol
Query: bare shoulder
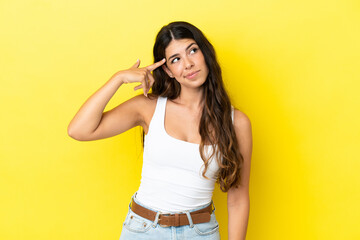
(241, 120)
(145, 107)
(142, 101)
(242, 127)
(243, 131)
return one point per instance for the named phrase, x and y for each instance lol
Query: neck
(190, 98)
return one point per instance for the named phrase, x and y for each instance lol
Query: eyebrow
(178, 54)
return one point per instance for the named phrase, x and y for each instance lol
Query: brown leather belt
(167, 220)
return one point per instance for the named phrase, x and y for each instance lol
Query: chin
(195, 84)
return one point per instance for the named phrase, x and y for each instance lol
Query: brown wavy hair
(216, 127)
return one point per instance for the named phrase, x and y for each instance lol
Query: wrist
(118, 78)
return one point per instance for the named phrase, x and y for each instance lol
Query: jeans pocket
(136, 223)
(208, 227)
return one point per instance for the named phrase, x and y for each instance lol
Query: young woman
(193, 138)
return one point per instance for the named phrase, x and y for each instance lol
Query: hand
(143, 75)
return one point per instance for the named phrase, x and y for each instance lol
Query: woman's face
(186, 63)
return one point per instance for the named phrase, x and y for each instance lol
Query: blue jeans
(136, 227)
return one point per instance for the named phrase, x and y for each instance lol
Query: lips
(192, 74)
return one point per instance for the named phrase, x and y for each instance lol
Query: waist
(194, 216)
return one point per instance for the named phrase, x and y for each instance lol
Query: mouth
(192, 74)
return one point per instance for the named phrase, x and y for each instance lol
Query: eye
(175, 60)
(194, 50)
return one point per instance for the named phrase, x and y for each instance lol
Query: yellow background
(292, 66)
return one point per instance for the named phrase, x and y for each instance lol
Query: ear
(167, 70)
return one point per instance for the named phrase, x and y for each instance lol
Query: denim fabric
(136, 227)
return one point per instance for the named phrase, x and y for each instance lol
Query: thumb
(137, 64)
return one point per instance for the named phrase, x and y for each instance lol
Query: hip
(138, 227)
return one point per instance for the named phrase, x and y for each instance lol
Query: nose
(188, 63)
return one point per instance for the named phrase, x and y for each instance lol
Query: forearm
(238, 220)
(89, 115)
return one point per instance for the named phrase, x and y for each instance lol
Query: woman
(193, 137)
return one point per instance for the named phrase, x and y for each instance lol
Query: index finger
(155, 65)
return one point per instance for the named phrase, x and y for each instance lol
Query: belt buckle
(163, 225)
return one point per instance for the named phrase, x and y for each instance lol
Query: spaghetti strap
(232, 113)
(158, 116)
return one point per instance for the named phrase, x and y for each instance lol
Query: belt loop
(212, 202)
(132, 199)
(190, 219)
(156, 219)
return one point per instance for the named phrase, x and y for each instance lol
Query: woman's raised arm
(91, 123)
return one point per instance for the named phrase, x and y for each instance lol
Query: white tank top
(171, 179)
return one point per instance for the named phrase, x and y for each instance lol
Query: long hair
(216, 127)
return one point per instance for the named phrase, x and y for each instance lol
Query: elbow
(71, 133)
(79, 136)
